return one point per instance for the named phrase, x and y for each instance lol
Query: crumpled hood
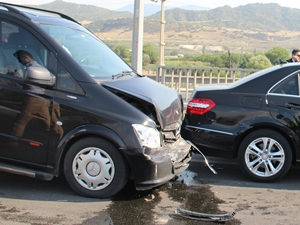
(165, 100)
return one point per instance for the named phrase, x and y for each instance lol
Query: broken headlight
(149, 137)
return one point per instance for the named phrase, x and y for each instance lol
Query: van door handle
(71, 97)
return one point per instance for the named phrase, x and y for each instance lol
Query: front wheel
(265, 155)
(93, 167)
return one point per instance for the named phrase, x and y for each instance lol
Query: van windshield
(90, 52)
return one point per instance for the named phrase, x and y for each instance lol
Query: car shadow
(22, 187)
(230, 174)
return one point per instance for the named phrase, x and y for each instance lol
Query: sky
(116, 4)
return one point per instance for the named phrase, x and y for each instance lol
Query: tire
(94, 168)
(265, 155)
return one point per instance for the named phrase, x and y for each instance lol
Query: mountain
(257, 16)
(249, 28)
(194, 7)
(150, 9)
(82, 12)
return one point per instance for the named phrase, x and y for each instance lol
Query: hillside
(257, 16)
(269, 17)
(249, 28)
(82, 12)
(150, 9)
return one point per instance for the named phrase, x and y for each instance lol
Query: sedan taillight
(200, 106)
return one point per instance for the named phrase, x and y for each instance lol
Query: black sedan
(255, 119)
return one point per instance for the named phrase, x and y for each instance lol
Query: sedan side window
(289, 86)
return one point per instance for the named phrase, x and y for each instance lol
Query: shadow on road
(229, 174)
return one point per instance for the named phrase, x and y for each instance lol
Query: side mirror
(39, 75)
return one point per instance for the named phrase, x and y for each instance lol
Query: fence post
(210, 77)
(187, 83)
(163, 78)
(158, 74)
(195, 78)
(179, 79)
(243, 74)
(172, 78)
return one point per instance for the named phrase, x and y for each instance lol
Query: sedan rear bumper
(211, 142)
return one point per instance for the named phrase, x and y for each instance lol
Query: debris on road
(204, 216)
(206, 161)
(149, 198)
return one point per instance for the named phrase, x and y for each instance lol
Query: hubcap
(93, 168)
(264, 157)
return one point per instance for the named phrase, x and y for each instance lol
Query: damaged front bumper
(157, 168)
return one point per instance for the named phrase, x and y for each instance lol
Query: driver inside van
(25, 58)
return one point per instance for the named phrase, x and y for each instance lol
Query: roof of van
(33, 13)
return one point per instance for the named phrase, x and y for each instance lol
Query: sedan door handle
(292, 105)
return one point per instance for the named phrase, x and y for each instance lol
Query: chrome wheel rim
(264, 157)
(93, 168)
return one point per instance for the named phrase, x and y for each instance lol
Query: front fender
(85, 130)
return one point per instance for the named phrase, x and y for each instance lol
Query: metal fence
(184, 79)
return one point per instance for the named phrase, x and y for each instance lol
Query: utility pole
(137, 36)
(162, 34)
(229, 59)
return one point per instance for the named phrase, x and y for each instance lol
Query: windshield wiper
(123, 73)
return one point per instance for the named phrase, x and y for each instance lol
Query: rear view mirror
(39, 75)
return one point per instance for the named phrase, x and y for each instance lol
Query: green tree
(219, 62)
(149, 49)
(277, 53)
(203, 50)
(259, 62)
(174, 53)
(146, 60)
(122, 51)
(235, 60)
(245, 60)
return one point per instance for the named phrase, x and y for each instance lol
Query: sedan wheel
(265, 155)
(94, 168)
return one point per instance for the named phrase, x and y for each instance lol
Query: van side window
(16, 38)
(66, 82)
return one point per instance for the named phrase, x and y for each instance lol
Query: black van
(69, 105)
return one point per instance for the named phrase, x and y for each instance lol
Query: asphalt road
(25, 200)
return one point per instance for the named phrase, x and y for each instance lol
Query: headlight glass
(149, 137)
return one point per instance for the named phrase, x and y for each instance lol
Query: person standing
(295, 56)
